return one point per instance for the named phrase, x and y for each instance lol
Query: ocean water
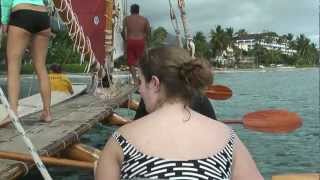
(293, 89)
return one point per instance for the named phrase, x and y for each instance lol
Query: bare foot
(45, 117)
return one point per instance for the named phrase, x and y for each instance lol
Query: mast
(175, 25)
(188, 36)
(109, 36)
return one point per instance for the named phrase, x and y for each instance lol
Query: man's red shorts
(135, 50)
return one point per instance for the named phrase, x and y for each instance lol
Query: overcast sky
(280, 16)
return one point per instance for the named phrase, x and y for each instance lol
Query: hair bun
(195, 73)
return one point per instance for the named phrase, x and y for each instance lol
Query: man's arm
(148, 32)
(124, 29)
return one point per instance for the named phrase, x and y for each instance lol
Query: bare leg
(17, 41)
(39, 51)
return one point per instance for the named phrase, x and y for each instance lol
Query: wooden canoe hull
(307, 176)
(131, 104)
(82, 152)
(116, 119)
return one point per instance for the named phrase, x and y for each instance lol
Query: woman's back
(173, 141)
(195, 148)
(202, 136)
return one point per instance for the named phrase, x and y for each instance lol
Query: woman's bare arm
(109, 162)
(243, 166)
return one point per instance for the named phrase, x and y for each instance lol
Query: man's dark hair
(134, 9)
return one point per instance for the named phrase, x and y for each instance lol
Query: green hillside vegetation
(209, 46)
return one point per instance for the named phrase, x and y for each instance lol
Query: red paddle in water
(272, 121)
(218, 92)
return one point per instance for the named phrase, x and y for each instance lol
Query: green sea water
(293, 89)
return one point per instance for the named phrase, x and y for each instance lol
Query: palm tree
(229, 34)
(241, 33)
(219, 41)
(202, 48)
(158, 36)
(307, 52)
(259, 52)
(238, 51)
(302, 44)
(290, 37)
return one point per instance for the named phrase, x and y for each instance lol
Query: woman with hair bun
(173, 141)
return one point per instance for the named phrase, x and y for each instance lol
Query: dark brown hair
(134, 9)
(180, 75)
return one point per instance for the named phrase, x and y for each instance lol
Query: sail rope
(175, 25)
(32, 150)
(187, 34)
(81, 42)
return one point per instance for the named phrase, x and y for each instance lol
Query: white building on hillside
(248, 42)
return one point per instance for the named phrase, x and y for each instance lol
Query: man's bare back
(136, 35)
(137, 27)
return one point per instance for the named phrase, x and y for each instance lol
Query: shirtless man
(136, 35)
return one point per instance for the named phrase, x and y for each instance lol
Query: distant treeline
(207, 46)
(219, 39)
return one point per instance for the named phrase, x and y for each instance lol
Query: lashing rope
(81, 42)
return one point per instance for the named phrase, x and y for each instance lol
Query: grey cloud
(281, 16)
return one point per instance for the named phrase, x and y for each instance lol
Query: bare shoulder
(145, 19)
(131, 128)
(214, 125)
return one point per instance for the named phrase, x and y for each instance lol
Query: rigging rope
(187, 34)
(81, 42)
(44, 172)
(175, 25)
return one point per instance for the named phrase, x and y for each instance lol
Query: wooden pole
(115, 119)
(306, 176)
(47, 160)
(82, 152)
(131, 104)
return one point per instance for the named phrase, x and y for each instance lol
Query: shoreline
(268, 69)
(215, 70)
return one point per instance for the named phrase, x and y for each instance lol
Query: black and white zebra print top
(139, 165)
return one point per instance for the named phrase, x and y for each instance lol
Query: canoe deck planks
(33, 103)
(71, 119)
